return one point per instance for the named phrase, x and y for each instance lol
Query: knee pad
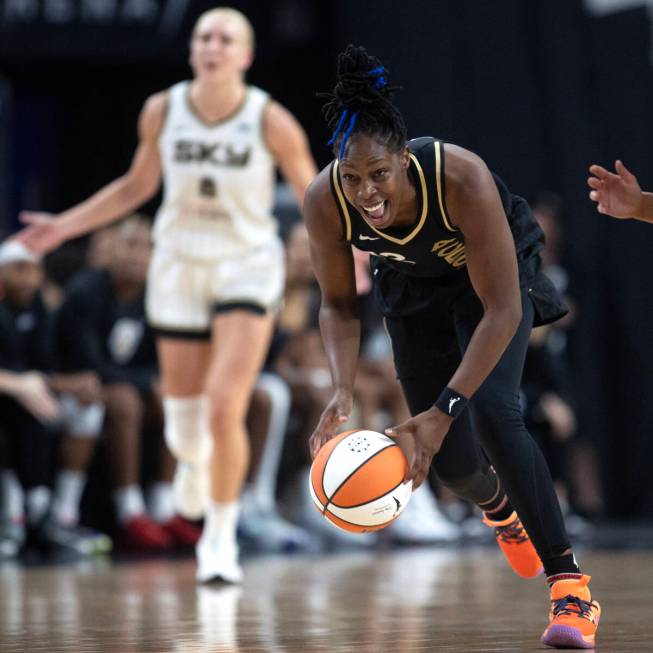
(186, 428)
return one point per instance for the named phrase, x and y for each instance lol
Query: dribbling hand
(616, 194)
(43, 233)
(334, 416)
(427, 430)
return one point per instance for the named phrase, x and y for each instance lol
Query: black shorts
(421, 313)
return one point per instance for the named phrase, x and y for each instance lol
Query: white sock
(12, 496)
(68, 489)
(221, 519)
(129, 502)
(37, 502)
(161, 502)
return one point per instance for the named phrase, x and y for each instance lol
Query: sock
(561, 568)
(12, 496)
(221, 518)
(498, 507)
(161, 502)
(129, 502)
(38, 502)
(68, 489)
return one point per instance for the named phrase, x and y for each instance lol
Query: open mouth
(375, 212)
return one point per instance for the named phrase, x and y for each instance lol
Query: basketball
(357, 481)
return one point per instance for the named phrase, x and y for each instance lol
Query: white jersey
(218, 180)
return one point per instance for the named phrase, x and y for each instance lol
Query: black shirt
(95, 331)
(25, 336)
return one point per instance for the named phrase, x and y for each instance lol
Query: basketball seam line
(358, 505)
(391, 444)
(373, 527)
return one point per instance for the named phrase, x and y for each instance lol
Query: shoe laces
(512, 533)
(573, 605)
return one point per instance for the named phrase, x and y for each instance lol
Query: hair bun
(361, 102)
(361, 78)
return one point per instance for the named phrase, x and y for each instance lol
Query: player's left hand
(427, 430)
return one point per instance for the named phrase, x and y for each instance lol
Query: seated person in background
(548, 383)
(101, 325)
(39, 404)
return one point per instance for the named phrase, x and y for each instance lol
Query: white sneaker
(422, 522)
(269, 531)
(217, 559)
(191, 489)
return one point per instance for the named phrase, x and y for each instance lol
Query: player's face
(20, 281)
(220, 49)
(374, 180)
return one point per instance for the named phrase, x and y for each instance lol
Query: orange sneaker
(574, 617)
(516, 546)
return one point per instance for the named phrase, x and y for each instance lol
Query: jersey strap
(440, 185)
(341, 202)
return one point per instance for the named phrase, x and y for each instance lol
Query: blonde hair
(230, 12)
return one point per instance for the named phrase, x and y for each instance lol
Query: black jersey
(433, 246)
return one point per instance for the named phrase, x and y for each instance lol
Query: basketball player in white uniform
(217, 271)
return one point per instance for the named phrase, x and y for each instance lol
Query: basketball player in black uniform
(456, 275)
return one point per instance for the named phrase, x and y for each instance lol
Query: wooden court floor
(400, 602)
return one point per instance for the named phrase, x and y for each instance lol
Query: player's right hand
(43, 232)
(334, 416)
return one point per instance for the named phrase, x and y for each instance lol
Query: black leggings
(493, 418)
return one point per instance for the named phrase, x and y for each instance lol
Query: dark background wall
(540, 89)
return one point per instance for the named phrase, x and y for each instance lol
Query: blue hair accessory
(381, 81)
(380, 73)
(341, 122)
(350, 129)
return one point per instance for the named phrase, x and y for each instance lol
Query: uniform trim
(342, 203)
(180, 334)
(439, 180)
(249, 306)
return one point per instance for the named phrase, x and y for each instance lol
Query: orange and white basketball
(357, 481)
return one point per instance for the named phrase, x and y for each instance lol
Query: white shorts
(183, 295)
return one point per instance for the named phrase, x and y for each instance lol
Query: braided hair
(361, 102)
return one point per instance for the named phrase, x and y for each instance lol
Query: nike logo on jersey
(361, 237)
(452, 402)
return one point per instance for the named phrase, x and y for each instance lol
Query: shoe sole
(558, 636)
